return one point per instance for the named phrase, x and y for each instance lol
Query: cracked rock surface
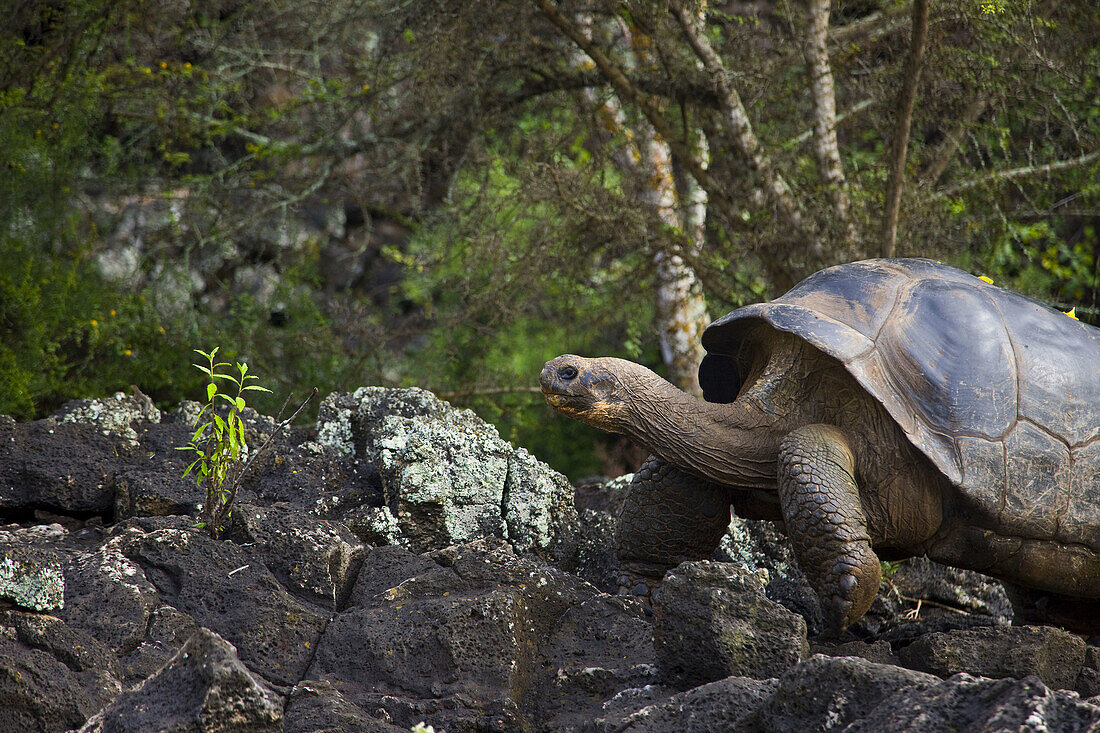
(400, 563)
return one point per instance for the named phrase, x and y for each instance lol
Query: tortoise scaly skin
(887, 407)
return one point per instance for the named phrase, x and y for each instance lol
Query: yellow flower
(164, 64)
(1072, 313)
(128, 352)
(112, 313)
(147, 70)
(187, 65)
(94, 323)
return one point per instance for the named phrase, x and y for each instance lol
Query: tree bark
(681, 307)
(681, 310)
(823, 93)
(899, 143)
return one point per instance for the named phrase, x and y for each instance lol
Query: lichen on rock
(447, 476)
(32, 582)
(113, 416)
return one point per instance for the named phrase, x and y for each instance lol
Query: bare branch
(806, 135)
(1013, 174)
(278, 429)
(945, 151)
(899, 143)
(872, 26)
(692, 87)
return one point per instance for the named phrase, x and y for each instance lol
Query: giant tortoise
(896, 407)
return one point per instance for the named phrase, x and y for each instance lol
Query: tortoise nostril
(567, 372)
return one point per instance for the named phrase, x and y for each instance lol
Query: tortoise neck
(732, 444)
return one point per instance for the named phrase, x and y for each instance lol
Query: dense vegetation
(434, 193)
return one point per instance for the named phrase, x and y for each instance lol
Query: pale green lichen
(114, 415)
(446, 474)
(334, 431)
(32, 585)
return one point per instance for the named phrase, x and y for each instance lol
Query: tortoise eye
(568, 372)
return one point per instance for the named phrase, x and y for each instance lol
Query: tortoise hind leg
(668, 516)
(826, 523)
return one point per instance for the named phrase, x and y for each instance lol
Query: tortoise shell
(1000, 392)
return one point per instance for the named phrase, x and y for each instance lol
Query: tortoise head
(599, 391)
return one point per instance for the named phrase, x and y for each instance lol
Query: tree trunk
(826, 148)
(736, 121)
(774, 262)
(681, 311)
(681, 308)
(899, 144)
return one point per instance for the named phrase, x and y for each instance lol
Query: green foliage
(219, 441)
(504, 282)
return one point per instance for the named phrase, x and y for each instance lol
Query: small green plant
(220, 441)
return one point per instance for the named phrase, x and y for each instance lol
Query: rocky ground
(400, 563)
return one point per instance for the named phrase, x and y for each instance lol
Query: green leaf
(211, 390)
(255, 387)
(240, 403)
(197, 460)
(219, 425)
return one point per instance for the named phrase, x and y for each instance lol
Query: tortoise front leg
(668, 516)
(826, 523)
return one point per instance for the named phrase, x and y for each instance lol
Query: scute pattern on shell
(1000, 392)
